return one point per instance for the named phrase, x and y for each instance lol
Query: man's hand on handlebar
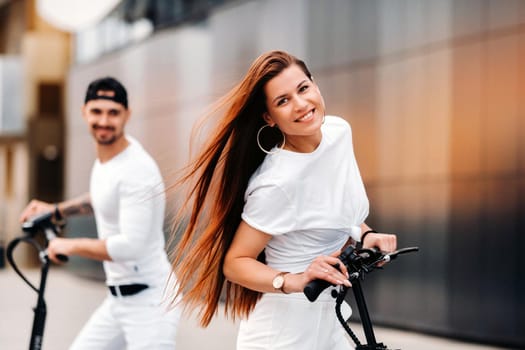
(35, 207)
(58, 248)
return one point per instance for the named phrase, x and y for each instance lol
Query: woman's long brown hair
(217, 180)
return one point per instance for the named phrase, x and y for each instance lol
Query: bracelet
(364, 235)
(57, 214)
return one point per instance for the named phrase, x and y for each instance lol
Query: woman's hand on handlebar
(325, 267)
(33, 208)
(328, 268)
(385, 242)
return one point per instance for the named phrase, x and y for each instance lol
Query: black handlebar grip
(63, 258)
(314, 288)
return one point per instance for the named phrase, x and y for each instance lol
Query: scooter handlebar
(358, 262)
(45, 223)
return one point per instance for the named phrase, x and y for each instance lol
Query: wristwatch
(278, 281)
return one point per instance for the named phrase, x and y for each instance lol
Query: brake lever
(394, 254)
(384, 258)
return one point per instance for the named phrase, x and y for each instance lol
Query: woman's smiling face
(296, 105)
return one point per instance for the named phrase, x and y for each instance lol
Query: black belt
(127, 289)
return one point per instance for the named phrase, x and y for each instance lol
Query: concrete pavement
(71, 299)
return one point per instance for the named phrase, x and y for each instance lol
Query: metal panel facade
(434, 91)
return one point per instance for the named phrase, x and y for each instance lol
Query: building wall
(434, 92)
(35, 59)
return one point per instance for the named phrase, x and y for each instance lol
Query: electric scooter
(359, 262)
(45, 224)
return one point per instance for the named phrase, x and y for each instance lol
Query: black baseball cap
(96, 87)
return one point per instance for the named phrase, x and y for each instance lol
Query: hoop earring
(259, 142)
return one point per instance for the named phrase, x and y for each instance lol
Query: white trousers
(132, 322)
(290, 321)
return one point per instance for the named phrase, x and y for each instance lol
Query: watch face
(278, 282)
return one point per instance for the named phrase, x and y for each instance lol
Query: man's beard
(107, 142)
(102, 141)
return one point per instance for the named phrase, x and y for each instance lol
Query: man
(127, 198)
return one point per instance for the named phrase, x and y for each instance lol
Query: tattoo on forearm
(81, 207)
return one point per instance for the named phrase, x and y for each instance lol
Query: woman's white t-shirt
(311, 203)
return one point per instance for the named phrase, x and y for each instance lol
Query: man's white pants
(132, 322)
(290, 321)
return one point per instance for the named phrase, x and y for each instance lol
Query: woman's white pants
(290, 321)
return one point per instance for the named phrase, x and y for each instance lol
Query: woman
(277, 194)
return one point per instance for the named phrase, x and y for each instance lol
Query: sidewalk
(70, 300)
